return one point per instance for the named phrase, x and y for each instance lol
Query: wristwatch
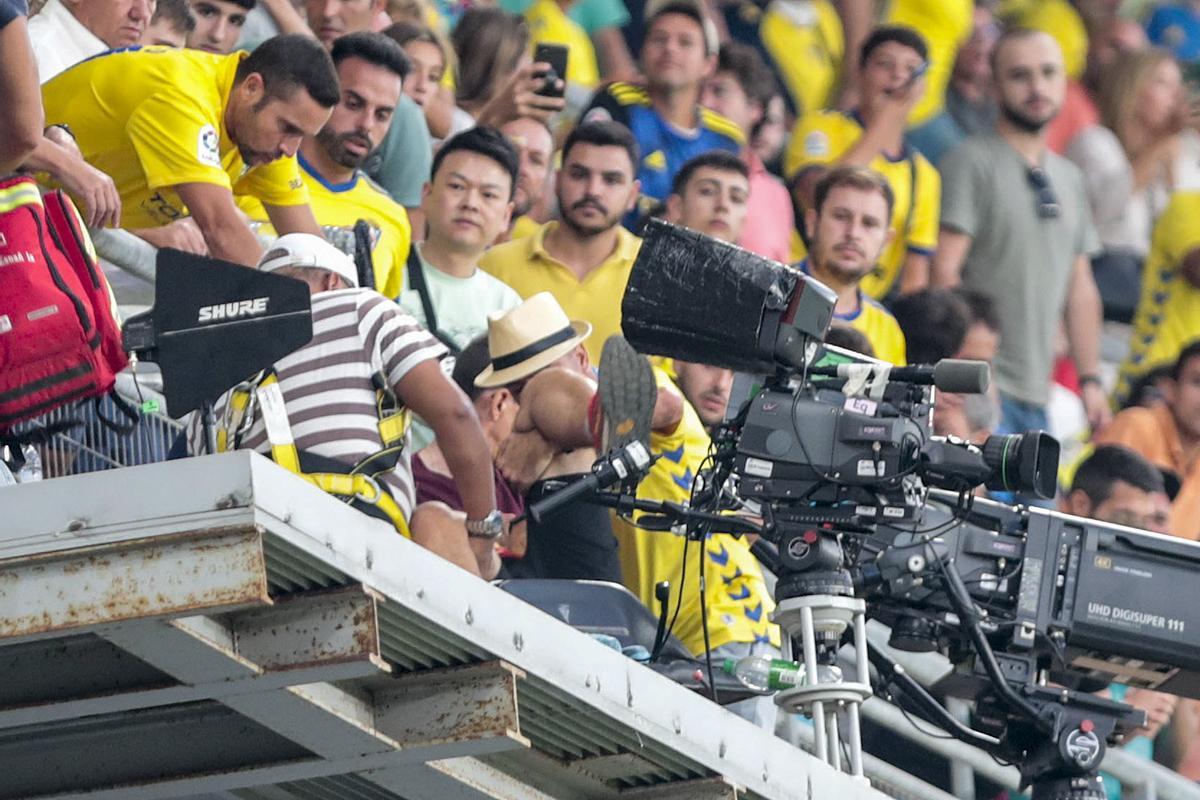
(490, 527)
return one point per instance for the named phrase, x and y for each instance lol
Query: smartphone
(921, 69)
(556, 56)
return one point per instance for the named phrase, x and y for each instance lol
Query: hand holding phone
(913, 77)
(554, 80)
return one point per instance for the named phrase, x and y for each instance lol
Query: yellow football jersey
(822, 137)
(548, 24)
(877, 324)
(945, 25)
(153, 118)
(1060, 20)
(881, 329)
(739, 605)
(337, 207)
(806, 43)
(1168, 312)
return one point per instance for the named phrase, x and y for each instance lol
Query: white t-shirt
(59, 40)
(461, 305)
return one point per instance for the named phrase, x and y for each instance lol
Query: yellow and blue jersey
(802, 42)
(877, 324)
(739, 605)
(337, 207)
(1168, 313)
(153, 118)
(663, 148)
(821, 138)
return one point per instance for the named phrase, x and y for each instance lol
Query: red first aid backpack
(59, 338)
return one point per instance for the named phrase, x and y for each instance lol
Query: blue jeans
(1018, 416)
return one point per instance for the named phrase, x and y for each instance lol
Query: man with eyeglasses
(1015, 226)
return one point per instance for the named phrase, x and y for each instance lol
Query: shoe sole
(627, 394)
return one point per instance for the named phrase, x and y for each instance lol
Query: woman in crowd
(1145, 148)
(431, 56)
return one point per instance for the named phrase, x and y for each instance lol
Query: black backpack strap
(416, 280)
(131, 414)
(363, 261)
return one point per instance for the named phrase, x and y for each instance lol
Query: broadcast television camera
(874, 516)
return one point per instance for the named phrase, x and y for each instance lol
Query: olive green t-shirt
(1021, 260)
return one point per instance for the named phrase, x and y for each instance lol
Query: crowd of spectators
(1016, 181)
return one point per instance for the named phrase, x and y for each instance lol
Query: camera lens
(1023, 462)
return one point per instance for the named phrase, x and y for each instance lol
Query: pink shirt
(768, 227)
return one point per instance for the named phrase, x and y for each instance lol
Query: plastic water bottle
(32, 471)
(764, 674)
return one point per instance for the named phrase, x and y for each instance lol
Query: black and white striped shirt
(327, 387)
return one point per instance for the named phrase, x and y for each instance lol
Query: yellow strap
(24, 193)
(279, 430)
(363, 488)
(238, 402)
(393, 428)
(283, 451)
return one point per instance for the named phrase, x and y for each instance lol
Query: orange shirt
(1152, 433)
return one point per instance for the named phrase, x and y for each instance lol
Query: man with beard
(848, 229)
(1016, 228)
(371, 71)
(679, 52)
(891, 63)
(583, 260)
(183, 133)
(535, 146)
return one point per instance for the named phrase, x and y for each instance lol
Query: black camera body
(1037, 609)
(840, 459)
(1086, 601)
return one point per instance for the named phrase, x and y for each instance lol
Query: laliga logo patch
(816, 144)
(208, 149)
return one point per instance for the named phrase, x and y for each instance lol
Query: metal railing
(89, 443)
(91, 446)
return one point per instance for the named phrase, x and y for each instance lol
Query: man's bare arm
(57, 155)
(20, 95)
(914, 275)
(225, 230)
(668, 410)
(858, 17)
(952, 250)
(554, 403)
(287, 17)
(1084, 315)
(444, 407)
(293, 219)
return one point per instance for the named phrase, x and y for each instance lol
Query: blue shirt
(11, 9)
(1177, 28)
(663, 148)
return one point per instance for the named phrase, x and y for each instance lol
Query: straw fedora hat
(527, 338)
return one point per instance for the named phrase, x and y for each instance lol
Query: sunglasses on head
(1047, 202)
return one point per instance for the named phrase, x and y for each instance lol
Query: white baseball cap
(308, 250)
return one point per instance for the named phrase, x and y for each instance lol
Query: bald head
(1028, 78)
(1026, 37)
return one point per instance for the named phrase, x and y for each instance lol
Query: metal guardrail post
(126, 251)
